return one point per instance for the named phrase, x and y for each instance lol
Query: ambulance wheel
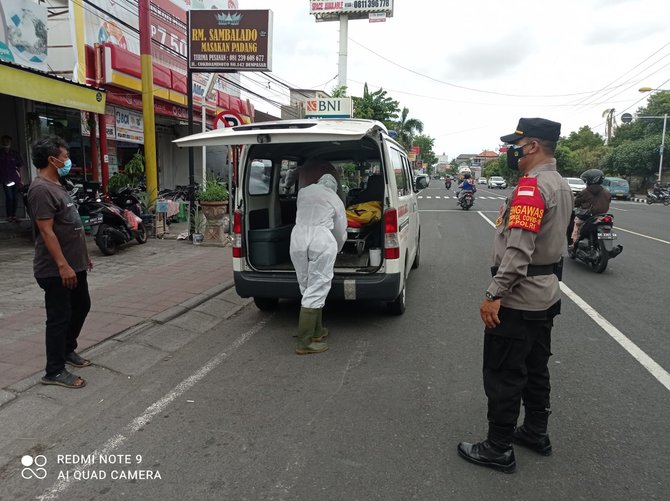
(397, 306)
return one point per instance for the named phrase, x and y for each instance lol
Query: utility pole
(344, 40)
(148, 114)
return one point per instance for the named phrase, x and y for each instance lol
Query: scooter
(663, 197)
(447, 184)
(595, 245)
(126, 198)
(116, 226)
(467, 200)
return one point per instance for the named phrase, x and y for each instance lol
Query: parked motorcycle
(595, 245)
(467, 200)
(661, 198)
(127, 198)
(116, 226)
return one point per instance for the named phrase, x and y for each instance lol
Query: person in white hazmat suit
(318, 235)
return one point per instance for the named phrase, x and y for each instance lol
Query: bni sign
(330, 107)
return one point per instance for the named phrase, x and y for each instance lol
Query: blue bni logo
(33, 467)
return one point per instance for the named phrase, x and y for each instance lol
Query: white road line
(459, 210)
(156, 408)
(616, 208)
(647, 362)
(437, 196)
(619, 228)
(428, 196)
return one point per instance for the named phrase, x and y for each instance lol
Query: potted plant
(198, 227)
(213, 199)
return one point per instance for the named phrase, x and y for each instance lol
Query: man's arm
(67, 274)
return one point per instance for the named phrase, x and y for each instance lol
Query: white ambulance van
(377, 258)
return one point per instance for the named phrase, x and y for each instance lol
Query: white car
(576, 184)
(481, 180)
(497, 182)
(264, 207)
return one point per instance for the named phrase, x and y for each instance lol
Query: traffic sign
(227, 119)
(626, 118)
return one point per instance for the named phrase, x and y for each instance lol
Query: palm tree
(376, 105)
(610, 123)
(408, 128)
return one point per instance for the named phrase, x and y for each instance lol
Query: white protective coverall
(318, 235)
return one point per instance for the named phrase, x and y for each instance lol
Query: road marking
(156, 408)
(616, 208)
(619, 228)
(460, 210)
(645, 360)
(428, 196)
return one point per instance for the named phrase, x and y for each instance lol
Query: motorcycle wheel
(104, 241)
(666, 201)
(141, 234)
(649, 202)
(600, 264)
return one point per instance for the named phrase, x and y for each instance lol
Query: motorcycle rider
(658, 189)
(591, 201)
(465, 186)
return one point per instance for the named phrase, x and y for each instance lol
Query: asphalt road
(379, 415)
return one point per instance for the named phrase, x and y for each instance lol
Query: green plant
(212, 191)
(198, 222)
(134, 169)
(117, 181)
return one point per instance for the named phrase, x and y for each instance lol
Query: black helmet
(592, 176)
(466, 176)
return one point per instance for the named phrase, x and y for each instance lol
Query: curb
(13, 391)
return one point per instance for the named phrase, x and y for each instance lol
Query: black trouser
(66, 313)
(516, 354)
(11, 197)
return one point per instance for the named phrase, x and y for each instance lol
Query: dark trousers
(516, 354)
(11, 197)
(66, 313)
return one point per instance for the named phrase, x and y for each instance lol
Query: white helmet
(464, 170)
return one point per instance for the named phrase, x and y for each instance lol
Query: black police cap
(539, 128)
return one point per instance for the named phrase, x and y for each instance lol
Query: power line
(472, 89)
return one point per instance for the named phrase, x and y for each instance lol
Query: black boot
(495, 454)
(533, 433)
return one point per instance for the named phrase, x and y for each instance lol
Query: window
(288, 178)
(260, 176)
(402, 183)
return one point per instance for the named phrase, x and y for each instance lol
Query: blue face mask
(65, 169)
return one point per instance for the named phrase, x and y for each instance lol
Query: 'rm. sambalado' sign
(230, 40)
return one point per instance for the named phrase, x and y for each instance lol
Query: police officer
(523, 299)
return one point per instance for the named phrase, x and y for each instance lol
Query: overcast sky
(469, 69)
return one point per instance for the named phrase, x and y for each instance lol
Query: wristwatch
(491, 297)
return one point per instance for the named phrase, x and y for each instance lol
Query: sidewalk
(139, 286)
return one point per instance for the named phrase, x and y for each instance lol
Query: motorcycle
(447, 184)
(467, 200)
(662, 197)
(114, 226)
(595, 244)
(126, 198)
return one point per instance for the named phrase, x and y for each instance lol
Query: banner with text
(330, 107)
(230, 40)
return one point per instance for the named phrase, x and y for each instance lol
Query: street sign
(227, 119)
(626, 118)
(329, 107)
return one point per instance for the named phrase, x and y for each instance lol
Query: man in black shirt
(61, 261)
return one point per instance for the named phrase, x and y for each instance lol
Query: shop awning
(38, 86)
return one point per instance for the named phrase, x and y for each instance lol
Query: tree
(408, 128)
(566, 161)
(376, 106)
(610, 122)
(339, 91)
(426, 144)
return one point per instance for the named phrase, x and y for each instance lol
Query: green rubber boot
(306, 331)
(320, 332)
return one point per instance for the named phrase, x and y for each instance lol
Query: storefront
(35, 104)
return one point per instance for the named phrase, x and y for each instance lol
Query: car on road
(267, 179)
(618, 187)
(497, 182)
(481, 180)
(576, 184)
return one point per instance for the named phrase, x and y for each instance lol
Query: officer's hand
(489, 313)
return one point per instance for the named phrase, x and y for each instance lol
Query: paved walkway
(141, 283)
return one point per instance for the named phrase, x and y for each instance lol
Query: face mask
(514, 153)
(65, 169)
